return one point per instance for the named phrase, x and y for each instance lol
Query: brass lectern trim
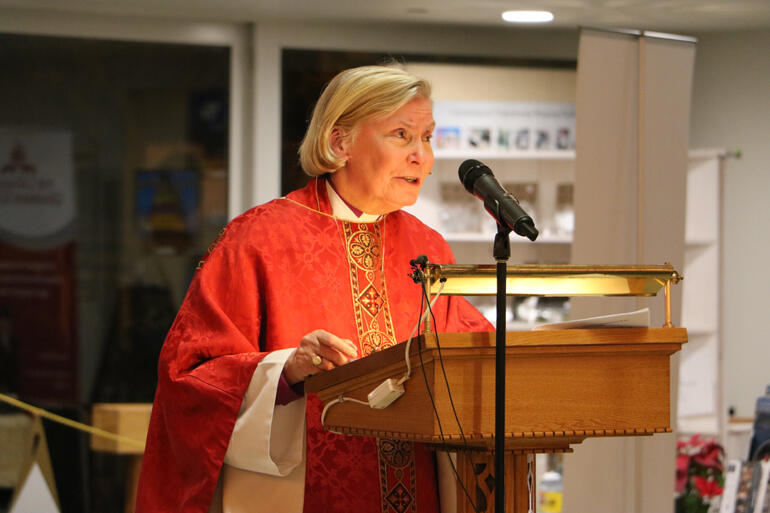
(557, 280)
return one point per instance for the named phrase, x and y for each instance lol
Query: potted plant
(699, 474)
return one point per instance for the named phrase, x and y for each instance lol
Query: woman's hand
(331, 349)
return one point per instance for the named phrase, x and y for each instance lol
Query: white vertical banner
(633, 99)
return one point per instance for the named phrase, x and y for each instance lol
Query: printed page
(637, 319)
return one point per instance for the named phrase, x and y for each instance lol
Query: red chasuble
(278, 272)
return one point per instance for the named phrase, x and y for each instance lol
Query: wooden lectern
(562, 386)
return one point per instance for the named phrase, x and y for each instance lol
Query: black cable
(449, 392)
(433, 402)
(446, 380)
(441, 430)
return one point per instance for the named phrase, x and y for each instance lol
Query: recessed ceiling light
(527, 16)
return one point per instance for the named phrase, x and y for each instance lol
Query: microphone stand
(501, 253)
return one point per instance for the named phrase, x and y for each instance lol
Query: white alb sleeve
(268, 438)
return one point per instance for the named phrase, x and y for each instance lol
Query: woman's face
(387, 159)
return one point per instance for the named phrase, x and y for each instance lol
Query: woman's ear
(339, 142)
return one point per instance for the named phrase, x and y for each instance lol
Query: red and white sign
(37, 263)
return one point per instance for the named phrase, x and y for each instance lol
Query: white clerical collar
(341, 211)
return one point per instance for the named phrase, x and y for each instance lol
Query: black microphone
(479, 181)
(418, 265)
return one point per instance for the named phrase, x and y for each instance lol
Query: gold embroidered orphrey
(365, 253)
(364, 247)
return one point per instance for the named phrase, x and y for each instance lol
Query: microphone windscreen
(470, 171)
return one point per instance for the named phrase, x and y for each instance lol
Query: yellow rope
(71, 423)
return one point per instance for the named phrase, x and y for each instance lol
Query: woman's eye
(401, 133)
(428, 138)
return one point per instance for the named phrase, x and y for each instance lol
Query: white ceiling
(681, 16)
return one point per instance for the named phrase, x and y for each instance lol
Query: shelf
(706, 153)
(701, 390)
(700, 331)
(706, 425)
(534, 155)
(696, 242)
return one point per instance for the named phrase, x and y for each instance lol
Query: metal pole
(502, 252)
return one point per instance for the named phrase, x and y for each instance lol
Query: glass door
(114, 171)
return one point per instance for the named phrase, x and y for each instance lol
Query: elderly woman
(294, 287)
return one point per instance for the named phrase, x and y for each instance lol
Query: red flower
(682, 466)
(710, 455)
(706, 487)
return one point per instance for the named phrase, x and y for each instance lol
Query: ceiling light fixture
(527, 16)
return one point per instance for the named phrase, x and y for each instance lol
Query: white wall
(731, 110)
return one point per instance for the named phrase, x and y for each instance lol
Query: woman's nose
(419, 153)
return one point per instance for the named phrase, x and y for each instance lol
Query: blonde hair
(353, 96)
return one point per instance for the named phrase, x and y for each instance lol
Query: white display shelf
(701, 406)
(546, 169)
(704, 425)
(532, 155)
(701, 241)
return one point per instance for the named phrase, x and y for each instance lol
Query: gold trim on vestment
(364, 249)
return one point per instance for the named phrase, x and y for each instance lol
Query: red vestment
(278, 272)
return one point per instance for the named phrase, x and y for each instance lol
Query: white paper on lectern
(636, 319)
(35, 496)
